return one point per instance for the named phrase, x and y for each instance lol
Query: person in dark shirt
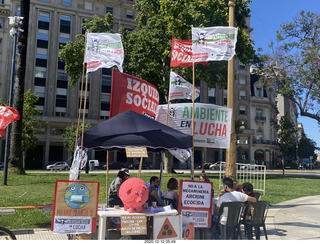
(153, 193)
(113, 193)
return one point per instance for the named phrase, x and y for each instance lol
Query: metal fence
(253, 173)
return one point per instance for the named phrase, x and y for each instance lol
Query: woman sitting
(170, 193)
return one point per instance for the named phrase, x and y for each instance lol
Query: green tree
(69, 135)
(29, 124)
(306, 147)
(286, 136)
(293, 63)
(148, 49)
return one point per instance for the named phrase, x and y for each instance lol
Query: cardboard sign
(167, 227)
(75, 207)
(136, 152)
(133, 224)
(189, 232)
(195, 203)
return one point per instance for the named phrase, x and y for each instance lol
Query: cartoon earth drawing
(76, 195)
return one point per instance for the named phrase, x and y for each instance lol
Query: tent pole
(192, 157)
(161, 171)
(140, 167)
(107, 178)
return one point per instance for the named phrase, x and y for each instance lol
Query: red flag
(129, 92)
(181, 53)
(7, 116)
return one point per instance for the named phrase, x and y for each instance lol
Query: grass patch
(38, 188)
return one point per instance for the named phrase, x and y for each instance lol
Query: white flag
(103, 50)
(181, 154)
(179, 88)
(214, 43)
(76, 166)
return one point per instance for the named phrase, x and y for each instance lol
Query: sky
(266, 18)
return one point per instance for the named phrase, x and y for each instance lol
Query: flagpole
(192, 156)
(168, 101)
(107, 178)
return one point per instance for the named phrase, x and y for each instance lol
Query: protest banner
(195, 203)
(212, 123)
(103, 50)
(129, 92)
(214, 43)
(7, 116)
(75, 207)
(179, 88)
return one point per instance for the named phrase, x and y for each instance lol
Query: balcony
(260, 118)
(267, 142)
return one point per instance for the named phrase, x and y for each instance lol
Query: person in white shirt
(230, 196)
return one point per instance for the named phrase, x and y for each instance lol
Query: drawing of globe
(77, 195)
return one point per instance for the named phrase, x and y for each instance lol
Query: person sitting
(230, 196)
(246, 188)
(170, 193)
(153, 193)
(113, 193)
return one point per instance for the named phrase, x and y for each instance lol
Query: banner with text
(129, 92)
(179, 88)
(181, 54)
(75, 207)
(212, 123)
(103, 50)
(214, 43)
(195, 203)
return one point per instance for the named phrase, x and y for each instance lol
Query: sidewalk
(297, 219)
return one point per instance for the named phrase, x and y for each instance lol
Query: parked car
(58, 165)
(1, 165)
(216, 166)
(93, 164)
(205, 166)
(115, 165)
(145, 165)
(249, 167)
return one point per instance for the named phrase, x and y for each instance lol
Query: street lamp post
(15, 23)
(231, 152)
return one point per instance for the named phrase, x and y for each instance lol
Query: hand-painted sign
(212, 123)
(136, 152)
(129, 92)
(75, 207)
(133, 224)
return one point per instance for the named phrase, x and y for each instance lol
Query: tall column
(231, 169)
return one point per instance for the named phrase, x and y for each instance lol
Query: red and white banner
(7, 116)
(129, 92)
(181, 53)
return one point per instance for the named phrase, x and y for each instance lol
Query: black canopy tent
(130, 129)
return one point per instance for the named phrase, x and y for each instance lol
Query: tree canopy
(148, 48)
(293, 64)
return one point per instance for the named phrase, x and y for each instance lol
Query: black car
(1, 165)
(145, 165)
(116, 165)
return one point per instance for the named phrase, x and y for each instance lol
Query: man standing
(230, 196)
(153, 193)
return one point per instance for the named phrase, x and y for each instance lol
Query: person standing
(113, 193)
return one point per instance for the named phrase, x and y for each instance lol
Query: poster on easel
(75, 207)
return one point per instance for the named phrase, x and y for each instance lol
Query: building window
(88, 5)
(225, 96)
(105, 106)
(259, 134)
(129, 14)
(242, 66)
(242, 109)
(61, 101)
(65, 24)
(109, 10)
(242, 95)
(212, 95)
(66, 3)
(1, 1)
(242, 80)
(47, 1)
(1, 23)
(258, 92)
(0, 45)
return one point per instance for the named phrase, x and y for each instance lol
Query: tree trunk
(15, 156)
